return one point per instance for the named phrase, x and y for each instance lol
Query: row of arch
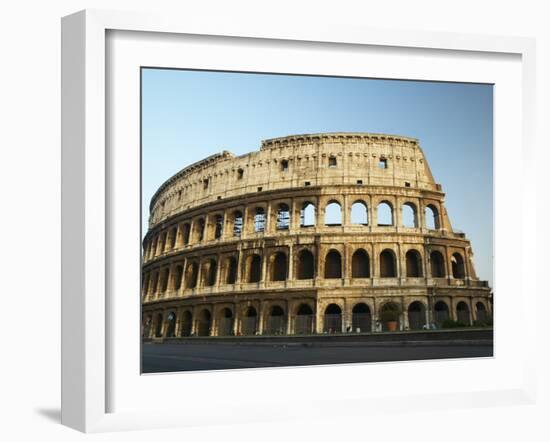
(217, 226)
(275, 321)
(207, 273)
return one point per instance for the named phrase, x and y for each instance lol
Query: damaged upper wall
(296, 161)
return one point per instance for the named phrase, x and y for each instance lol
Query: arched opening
(481, 314)
(463, 313)
(201, 226)
(225, 322)
(360, 264)
(254, 268)
(186, 233)
(359, 213)
(276, 321)
(237, 223)
(361, 318)
(437, 264)
(186, 323)
(171, 325)
(154, 284)
(384, 214)
(162, 243)
(173, 237)
(303, 321)
(283, 217)
(333, 265)
(307, 215)
(389, 317)
(158, 326)
(191, 275)
(279, 267)
(417, 315)
(432, 217)
(231, 270)
(333, 214)
(249, 322)
(410, 215)
(333, 319)
(259, 219)
(306, 265)
(218, 226)
(387, 264)
(164, 280)
(147, 326)
(457, 263)
(414, 264)
(209, 271)
(204, 323)
(153, 251)
(178, 275)
(441, 313)
(284, 165)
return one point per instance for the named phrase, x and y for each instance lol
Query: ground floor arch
(204, 323)
(249, 321)
(276, 321)
(416, 315)
(463, 313)
(225, 322)
(332, 322)
(304, 320)
(441, 313)
(361, 321)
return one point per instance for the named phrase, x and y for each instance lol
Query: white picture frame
(87, 210)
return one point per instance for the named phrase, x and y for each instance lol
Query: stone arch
(390, 316)
(283, 217)
(306, 265)
(333, 265)
(170, 325)
(276, 321)
(178, 276)
(158, 326)
(191, 274)
(388, 264)
(360, 264)
(154, 283)
(361, 318)
(204, 322)
(441, 313)
(409, 215)
(481, 313)
(279, 266)
(333, 213)
(413, 261)
(437, 264)
(359, 213)
(209, 272)
(249, 321)
(165, 276)
(186, 323)
(254, 268)
(332, 322)
(225, 322)
(307, 214)
(259, 220)
(417, 315)
(384, 213)
(230, 268)
(218, 226)
(304, 319)
(186, 233)
(173, 237)
(457, 264)
(237, 223)
(463, 313)
(200, 227)
(147, 326)
(431, 216)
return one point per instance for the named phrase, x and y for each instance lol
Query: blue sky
(188, 115)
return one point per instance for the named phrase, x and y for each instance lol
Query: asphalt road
(157, 358)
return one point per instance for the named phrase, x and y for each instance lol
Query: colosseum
(321, 233)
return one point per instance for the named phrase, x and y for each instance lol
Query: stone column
(290, 275)
(265, 257)
(345, 211)
(261, 314)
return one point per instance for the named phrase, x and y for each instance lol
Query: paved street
(217, 356)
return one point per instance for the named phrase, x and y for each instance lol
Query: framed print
(320, 252)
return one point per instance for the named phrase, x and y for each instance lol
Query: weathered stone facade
(290, 239)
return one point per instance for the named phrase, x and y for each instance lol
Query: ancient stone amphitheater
(321, 233)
